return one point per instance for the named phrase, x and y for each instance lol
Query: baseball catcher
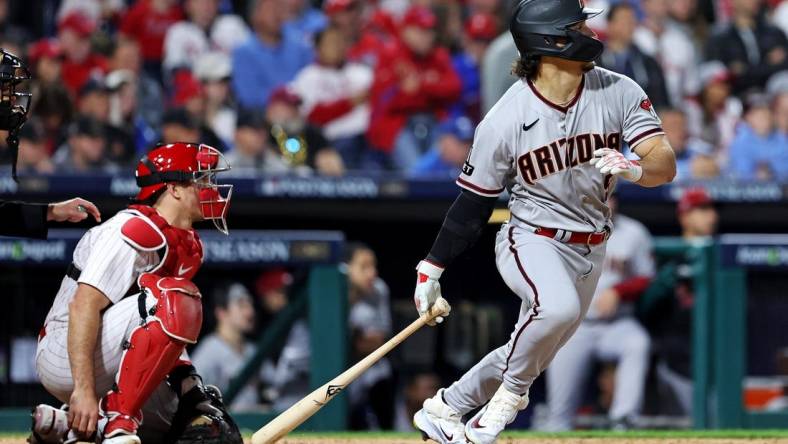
(113, 344)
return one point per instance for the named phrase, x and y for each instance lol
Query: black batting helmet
(541, 27)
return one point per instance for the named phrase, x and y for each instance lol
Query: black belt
(73, 271)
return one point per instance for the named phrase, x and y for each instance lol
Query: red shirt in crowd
(437, 87)
(148, 26)
(75, 75)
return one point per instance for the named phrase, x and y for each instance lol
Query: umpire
(19, 218)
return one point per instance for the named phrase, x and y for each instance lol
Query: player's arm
(657, 164)
(657, 161)
(483, 179)
(461, 228)
(84, 320)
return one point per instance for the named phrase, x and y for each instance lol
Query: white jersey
(108, 263)
(540, 150)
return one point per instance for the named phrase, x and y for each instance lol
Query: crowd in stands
(291, 86)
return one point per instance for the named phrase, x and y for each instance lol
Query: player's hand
(610, 161)
(74, 210)
(606, 304)
(83, 412)
(428, 289)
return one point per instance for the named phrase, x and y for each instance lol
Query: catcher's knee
(178, 306)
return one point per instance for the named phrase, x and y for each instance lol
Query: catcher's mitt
(202, 418)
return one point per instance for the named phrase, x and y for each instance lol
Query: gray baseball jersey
(540, 150)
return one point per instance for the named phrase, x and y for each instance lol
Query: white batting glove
(610, 161)
(428, 289)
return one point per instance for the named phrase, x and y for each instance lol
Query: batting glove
(610, 161)
(428, 289)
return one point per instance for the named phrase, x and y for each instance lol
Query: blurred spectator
(96, 11)
(713, 120)
(204, 30)
(189, 95)
(661, 39)
(753, 150)
(751, 48)
(623, 56)
(480, 30)
(253, 153)
(490, 7)
(366, 39)
(219, 356)
(685, 16)
(335, 94)
(496, 73)
(128, 133)
(667, 305)
(414, 85)
(54, 107)
(149, 96)
(213, 70)
(286, 375)
(179, 126)
(418, 388)
(94, 100)
(46, 61)
(609, 332)
(780, 17)
(80, 63)
(33, 155)
(372, 395)
(84, 150)
(300, 144)
(694, 158)
(269, 58)
(780, 110)
(9, 27)
(303, 19)
(146, 22)
(446, 159)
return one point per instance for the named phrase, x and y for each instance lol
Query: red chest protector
(180, 250)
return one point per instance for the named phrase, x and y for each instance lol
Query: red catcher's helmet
(187, 162)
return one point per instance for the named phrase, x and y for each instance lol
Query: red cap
(77, 22)
(284, 94)
(49, 48)
(187, 87)
(334, 6)
(419, 16)
(272, 280)
(693, 198)
(481, 26)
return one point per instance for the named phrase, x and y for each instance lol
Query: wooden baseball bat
(308, 406)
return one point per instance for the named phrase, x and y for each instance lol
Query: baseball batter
(608, 333)
(104, 339)
(554, 140)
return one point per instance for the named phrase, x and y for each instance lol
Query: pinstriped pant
(117, 324)
(556, 283)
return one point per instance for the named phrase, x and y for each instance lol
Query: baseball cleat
(439, 422)
(49, 425)
(489, 422)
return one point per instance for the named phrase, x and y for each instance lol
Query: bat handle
(441, 307)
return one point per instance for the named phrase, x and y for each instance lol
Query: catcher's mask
(14, 104)
(188, 162)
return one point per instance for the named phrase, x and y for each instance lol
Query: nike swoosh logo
(475, 423)
(527, 127)
(446, 435)
(182, 271)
